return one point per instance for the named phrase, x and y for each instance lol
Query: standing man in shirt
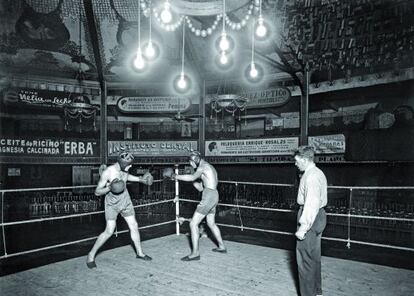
(312, 198)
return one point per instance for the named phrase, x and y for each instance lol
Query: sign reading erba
(42, 147)
(153, 104)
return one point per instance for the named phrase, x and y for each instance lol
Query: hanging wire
(139, 26)
(253, 24)
(224, 16)
(182, 52)
(260, 7)
(150, 18)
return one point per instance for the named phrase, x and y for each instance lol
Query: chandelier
(231, 103)
(80, 109)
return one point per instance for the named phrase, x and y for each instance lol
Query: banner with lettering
(270, 146)
(36, 97)
(153, 104)
(152, 148)
(271, 97)
(48, 147)
(328, 144)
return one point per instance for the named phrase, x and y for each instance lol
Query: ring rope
(293, 211)
(55, 188)
(76, 215)
(325, 238)
(76, 242)
(258, 183)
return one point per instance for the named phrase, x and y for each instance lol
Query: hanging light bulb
(261, 30)
(224, 61)
(253, 71)
(151, 49)
(182, 83)
(166, 15)
(223, 58)
(139, 62)
(224, 42)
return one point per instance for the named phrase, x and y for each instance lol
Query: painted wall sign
(329, 144)
(153, 104)
(43, 147)
(34, 97)
(271, 97)
(270, 146)
(152, 148)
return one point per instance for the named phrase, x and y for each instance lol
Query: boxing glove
(168, 173)
(148, 178)
(117, 186)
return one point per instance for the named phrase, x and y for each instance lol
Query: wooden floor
(244, 270)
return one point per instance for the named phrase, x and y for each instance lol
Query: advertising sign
(271, 97)
(270, 146)
(35, 97)
(153, 104)
(329, 144)
(44, 147)
(152, 148)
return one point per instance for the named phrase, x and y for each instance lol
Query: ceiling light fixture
(225, 42)
(139, 62)
(262, 29)
(182, 82)
(254, 71)
(151, 49)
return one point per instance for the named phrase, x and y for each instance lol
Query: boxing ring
(247, 269)
(348, 213)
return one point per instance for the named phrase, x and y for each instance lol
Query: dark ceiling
(58, 38)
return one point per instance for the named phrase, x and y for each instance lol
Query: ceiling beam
(93, 34)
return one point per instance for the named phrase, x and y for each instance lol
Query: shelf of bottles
(370, 203)
(35, 205)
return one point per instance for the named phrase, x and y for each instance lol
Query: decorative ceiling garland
(203, 32)
(236, 26)
(243, 22)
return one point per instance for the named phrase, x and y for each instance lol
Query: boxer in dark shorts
(118, 204)
(208, 203)
(207, 206)
(112, 184)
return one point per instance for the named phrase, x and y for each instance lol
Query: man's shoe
(145, 257)
(91, 264)
(187, 258)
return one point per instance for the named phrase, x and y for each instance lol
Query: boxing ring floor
(245, 270)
